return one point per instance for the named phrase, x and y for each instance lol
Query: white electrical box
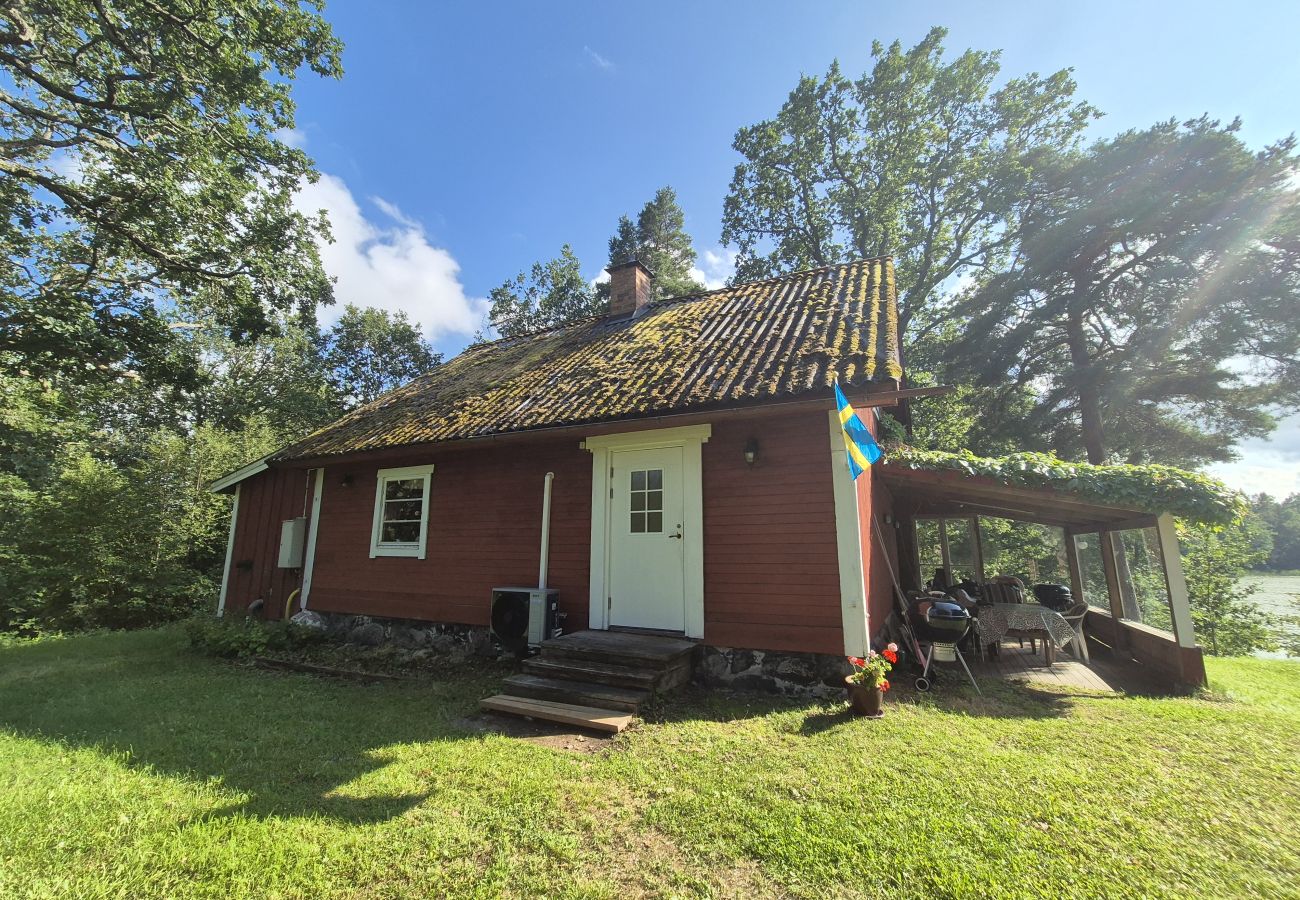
(293, 536)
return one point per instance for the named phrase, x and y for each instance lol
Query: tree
(280, 376)
(552, 294)
(1281, 521)
(1226, 623)
(368, 352)
(1148, 267)
(142, 166)
(658, 239)
(920, 159)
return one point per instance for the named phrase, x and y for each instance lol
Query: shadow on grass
(291, 745)
(1000, 699)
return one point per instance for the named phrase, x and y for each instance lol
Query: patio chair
(1075, 616)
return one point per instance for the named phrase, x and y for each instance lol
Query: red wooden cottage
(688, 451)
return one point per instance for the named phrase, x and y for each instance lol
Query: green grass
(130, 768)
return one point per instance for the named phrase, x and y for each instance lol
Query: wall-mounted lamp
(889, 519)
(751, 451)
(346, 480)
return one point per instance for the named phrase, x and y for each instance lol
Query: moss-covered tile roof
(773, 339)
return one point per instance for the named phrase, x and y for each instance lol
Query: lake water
(1277, 595)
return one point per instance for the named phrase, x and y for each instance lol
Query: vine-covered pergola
(1083, 501)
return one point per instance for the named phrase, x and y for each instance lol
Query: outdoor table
(995, 620)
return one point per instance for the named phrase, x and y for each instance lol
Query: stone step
(581, 693)
(609, 720)
(546, 666)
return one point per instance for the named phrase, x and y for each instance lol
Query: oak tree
(143, 162)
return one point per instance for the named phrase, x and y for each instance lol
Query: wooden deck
(1016, 663)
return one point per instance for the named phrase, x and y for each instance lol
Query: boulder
(408, 636)
(714, 668)
(371, 634)
(308, 619)
(797, 670)
(832, 669)
(480, 643)
(749, 682)
(743, 660)
(443, 644)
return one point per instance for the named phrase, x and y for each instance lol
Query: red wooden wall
(771, 570)
(771, 574)
(485, 510)
(265, 501)
(875, 506)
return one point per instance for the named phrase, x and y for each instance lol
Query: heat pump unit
(523, 617)
(293, 535)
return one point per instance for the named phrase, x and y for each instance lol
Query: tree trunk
(1085, 378)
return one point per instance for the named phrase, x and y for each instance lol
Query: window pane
(927, 544)
(655, 500)
(1092, 571)
(400, 533)
(638, 523)
(1033, 553)
(404, 489)
(638, 481)
(961, 549)
(656, 479)
(655, 522)
(638, 500)
(1142, 586)
(398, 510)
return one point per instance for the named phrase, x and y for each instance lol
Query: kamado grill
(942, 625)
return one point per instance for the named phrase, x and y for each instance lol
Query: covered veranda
(1123, 561)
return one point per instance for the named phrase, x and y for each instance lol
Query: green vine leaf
(1149, 488)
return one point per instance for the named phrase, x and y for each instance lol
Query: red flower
(891, 656)
(857, 661)
(884, 685)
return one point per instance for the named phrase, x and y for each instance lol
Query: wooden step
(590, 670)
(609, 720)
(618, 648)
(581, 693)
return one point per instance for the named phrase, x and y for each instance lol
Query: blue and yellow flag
(862, 447)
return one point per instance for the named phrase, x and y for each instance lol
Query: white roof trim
(226, 482)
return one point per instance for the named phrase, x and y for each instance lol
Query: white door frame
(691, 439)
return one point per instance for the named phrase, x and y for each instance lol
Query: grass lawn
(131, 768)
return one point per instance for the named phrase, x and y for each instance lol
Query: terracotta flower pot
(863, 700)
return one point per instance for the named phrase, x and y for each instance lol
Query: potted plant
(868, 684)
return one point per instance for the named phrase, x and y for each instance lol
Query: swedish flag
(862, 447)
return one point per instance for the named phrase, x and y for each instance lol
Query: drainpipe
(546, 530)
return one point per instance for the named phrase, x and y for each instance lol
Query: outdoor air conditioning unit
(524, 617)
(293, 536)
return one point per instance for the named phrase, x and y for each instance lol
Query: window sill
(412, 551)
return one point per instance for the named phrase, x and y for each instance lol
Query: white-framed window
(401, 512)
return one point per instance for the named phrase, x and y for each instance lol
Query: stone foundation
(420, 639)
(773, 672)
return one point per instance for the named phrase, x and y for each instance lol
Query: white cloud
(1267, 466)
(599, 61)
(714, 268)
(389, 264)
(294, 137)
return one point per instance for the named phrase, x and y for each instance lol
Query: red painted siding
(485, 509)
(771, 570)
(875, 505)
(771, 574)
(265, 500)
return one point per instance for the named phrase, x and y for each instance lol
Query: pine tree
(658, 240)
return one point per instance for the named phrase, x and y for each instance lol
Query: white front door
(647, 582)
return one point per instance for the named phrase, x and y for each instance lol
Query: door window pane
(647, 501)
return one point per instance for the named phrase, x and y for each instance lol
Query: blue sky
(466, 141)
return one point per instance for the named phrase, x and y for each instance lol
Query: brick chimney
(629, 288)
